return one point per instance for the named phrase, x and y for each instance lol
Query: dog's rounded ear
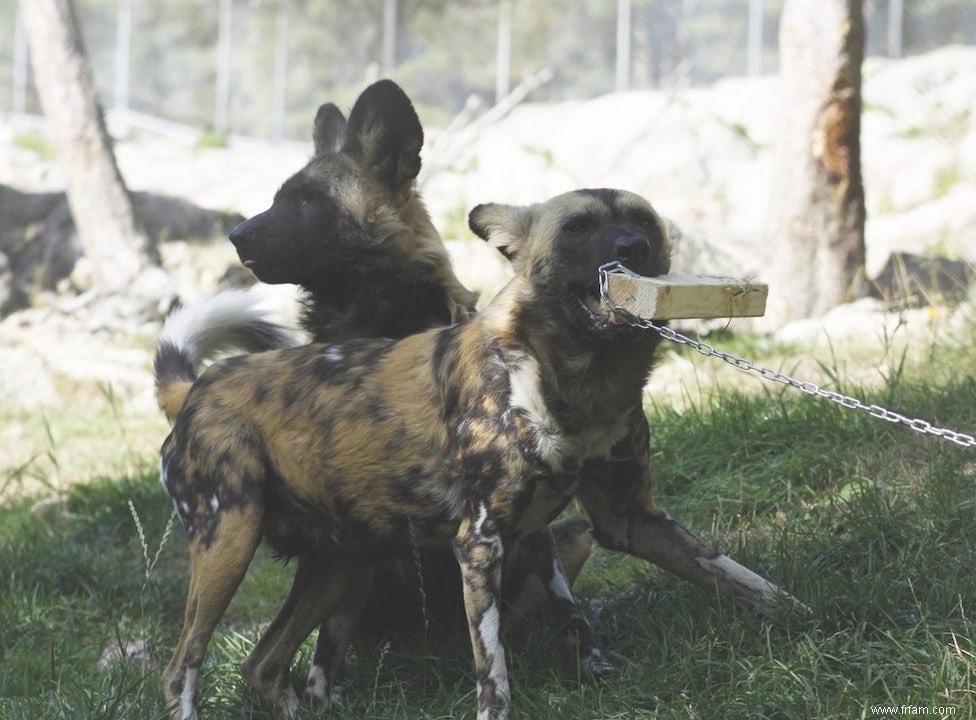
(329, 129)
(385, 132)
(505, 227)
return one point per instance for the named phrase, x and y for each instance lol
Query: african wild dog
(351, 229)
(475, 435)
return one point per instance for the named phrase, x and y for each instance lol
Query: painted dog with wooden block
(476, 435)
(351, 229)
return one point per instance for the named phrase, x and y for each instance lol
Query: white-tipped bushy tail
(230, 320)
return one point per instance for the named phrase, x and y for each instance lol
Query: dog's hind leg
(333, 640)
(316, 593)
(217, 568)
(527, 591)
(543, 574)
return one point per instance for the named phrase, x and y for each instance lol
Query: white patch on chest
(559, 450)
(526, 395)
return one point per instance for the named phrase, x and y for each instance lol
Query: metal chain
(804, 386)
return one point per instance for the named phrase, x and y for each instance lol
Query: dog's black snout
(239, 234)
(632, 248)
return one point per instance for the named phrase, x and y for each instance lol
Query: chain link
(804, 386)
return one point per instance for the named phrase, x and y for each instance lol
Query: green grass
(872, 525)
(37, 144)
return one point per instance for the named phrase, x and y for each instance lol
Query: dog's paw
(596, 665)
(317, 689)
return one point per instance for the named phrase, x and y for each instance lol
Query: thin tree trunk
(818, 196)
(389, 37)
(624, 21)
(503, 51)
(225, 23)
(279, 79)
(111, 238)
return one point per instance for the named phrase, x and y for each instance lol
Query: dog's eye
(646, 221)
(579, 225)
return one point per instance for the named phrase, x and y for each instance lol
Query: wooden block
(676, 297)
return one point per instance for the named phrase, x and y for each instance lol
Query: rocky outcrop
(39, 245)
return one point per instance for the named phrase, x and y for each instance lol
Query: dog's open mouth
(598, 315)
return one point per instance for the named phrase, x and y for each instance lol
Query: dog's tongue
(595, 305)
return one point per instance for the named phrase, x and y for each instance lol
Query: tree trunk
(113, 242)
(818, 197)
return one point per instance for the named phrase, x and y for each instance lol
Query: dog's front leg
(617, 496)
(632, 524)
(479, 550)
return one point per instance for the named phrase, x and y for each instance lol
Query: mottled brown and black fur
(475, 435)
(352, 231)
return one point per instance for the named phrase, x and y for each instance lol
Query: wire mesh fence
(260, 67)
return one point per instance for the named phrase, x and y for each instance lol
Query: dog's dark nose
(632, 248)
(239, 234)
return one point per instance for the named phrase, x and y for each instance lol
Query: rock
(39, 241)
(6, 279)
(136, 652)
(909, 280)
(26, 382)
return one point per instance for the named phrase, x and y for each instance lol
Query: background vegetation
(445, 50)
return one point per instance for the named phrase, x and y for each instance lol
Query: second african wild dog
(475, 435)
(351, 229)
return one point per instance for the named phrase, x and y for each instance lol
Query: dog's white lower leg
(480, 554)
(734, 574)
(633, 524)
(188, 710)
(657, 537)
(495, 681)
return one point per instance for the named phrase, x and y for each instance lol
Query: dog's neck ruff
(574, 396)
